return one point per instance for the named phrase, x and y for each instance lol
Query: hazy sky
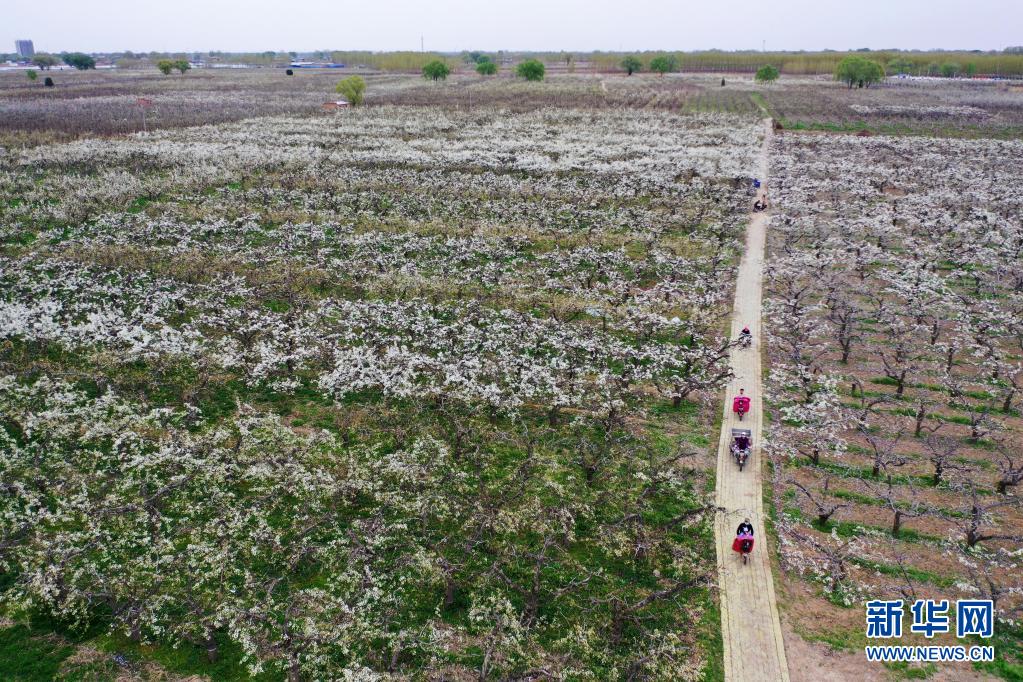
(256, 25)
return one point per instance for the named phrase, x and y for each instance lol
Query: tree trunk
(212, 649)
(897, 523)
(901, 386)
(449, 593)
(921, 414)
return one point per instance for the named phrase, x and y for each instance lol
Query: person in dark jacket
(745, 528)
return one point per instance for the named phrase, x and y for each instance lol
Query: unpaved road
(753, 644)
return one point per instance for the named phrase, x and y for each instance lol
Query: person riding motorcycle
(741, 403)
(745, 337)
(743, 543)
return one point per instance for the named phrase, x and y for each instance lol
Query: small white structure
(336, 104)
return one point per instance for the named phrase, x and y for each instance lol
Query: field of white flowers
(894, 304)
(395, 393)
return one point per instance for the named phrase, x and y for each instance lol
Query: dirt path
(750, 628)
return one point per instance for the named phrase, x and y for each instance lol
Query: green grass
(904, 671)
(39, 652)
(866, 472)
(860, 498)
(762, 104)
(851, 639)
(1008, 643)
(187, 659)
(916, 574)
(848, 529)
(27, 655)
(713, 645)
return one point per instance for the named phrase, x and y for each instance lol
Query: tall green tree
(436, 70)
(531, 70)
(665, 63)
(485, 67)
(182, 65)
(631, 64)
(79, 60)
(767, 74)
(858, 71)
(950, 69)
(900, 65)
(352, 89)
(45, 61)
(165, 66)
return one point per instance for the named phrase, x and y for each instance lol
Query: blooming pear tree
(380, 396)
(891, 305)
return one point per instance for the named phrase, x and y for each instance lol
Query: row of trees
(168, 65)
(669, 63)
(948, 69)
(819, 63)
(860, 72)
(662, 64)
(78, 60)
(530, 69)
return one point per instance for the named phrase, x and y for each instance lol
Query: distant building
(25, 49)
(304, 64)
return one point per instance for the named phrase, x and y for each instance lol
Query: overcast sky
(450, 25)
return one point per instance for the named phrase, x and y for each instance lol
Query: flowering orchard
(927, 106)
(894, 307)
(399, 392)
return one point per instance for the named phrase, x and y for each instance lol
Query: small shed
(336, 104)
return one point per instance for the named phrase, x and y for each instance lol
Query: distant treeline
(1006, 63)
(822, 63)
(793, 63)
(392, 61)
(383, 61)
